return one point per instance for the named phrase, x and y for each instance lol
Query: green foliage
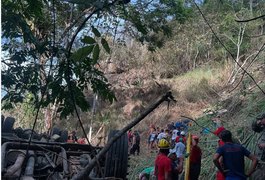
(152, 19)
(45, 54)
(45, 70)
(105, 45)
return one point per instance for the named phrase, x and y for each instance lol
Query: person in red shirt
(81, 140)
(163, 167)
(217, 132)
(183, 136)
(195, 159)
(130, 138)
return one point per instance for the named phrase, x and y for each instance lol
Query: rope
(198, 124)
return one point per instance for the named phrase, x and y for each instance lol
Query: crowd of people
(171, 146)
(229, 157)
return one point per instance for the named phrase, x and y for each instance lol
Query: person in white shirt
(161, 135)
(174, 136)
(180, 148)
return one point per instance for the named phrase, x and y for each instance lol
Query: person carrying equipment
(163, 169)
(233, 158)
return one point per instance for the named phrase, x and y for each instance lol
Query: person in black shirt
(136, 143)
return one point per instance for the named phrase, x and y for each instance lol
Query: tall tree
(53, 46)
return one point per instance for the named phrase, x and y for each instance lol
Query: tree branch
(247, 20)
(74, 23)
(85, 172)
(69, 47)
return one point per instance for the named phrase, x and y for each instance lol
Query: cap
(182, 133)
(218, 130)
(195, 137)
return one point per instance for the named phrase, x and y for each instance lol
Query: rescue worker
(259, 126)
(233, 158)
(195, 159)
(163, 167)
(217, 132)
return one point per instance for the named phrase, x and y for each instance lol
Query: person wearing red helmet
(195, 159)
(217, 132)
(233, 159)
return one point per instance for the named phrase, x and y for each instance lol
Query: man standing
(130, 138)
(233, 158)
(195, 159)
(259, 127)
(163, 167)
(217, 132)
(136, 143)
(180, 148)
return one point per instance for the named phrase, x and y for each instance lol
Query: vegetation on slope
(191, 63)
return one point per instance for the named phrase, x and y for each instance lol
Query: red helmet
(219, 130)
(195, 137)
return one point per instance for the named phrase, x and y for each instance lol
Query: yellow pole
(187, 163)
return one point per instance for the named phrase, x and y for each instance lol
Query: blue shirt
(233, 159)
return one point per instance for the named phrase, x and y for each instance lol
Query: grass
(138, 163)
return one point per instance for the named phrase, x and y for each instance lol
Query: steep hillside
(201, 94)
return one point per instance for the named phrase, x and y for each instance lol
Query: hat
(195, 137)
(182, 133)
(261, 116)
(163, 144)
(219, 130)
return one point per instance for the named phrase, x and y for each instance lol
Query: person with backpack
(233, 158)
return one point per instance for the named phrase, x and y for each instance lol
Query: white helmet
(182, 133)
